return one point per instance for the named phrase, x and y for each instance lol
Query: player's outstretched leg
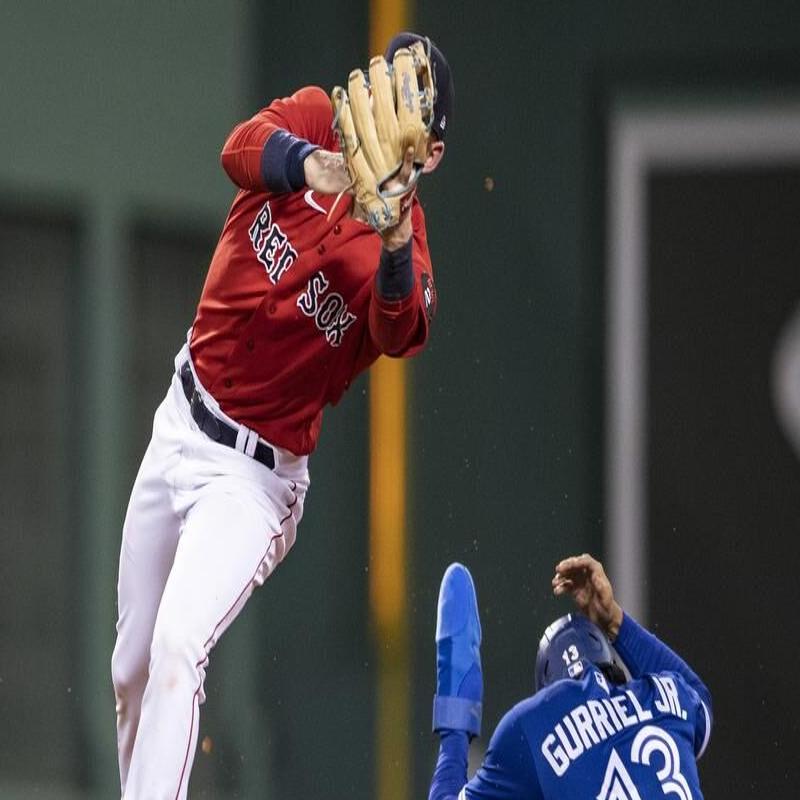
(459, 681)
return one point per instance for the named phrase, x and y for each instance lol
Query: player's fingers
(564, 576)
(568, 564)
(572, 582)
(583, 561)
(408, 165)
(577, 576)
(563, 585)
(406, 201)
(563, 591)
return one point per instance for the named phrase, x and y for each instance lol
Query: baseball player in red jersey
(295, 305)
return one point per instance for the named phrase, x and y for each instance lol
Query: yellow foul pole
(388, 547)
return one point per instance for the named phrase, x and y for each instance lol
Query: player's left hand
(396, 236)
(585, 579)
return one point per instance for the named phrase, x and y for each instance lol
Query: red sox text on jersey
(276, 254)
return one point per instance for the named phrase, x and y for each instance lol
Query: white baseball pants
(206, 524)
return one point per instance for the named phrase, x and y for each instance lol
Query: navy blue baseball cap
(442, 78)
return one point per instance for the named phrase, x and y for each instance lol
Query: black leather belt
(214, 428)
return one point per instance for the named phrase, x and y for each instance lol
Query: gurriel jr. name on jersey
(594, 721)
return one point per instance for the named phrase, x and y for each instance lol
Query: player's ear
(435, 155)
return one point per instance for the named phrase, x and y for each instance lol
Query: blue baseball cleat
(458, 701)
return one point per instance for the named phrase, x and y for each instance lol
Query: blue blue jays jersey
(588, 738)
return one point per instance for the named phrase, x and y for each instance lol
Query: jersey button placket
(337, 229)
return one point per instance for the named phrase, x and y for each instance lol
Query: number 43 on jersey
(651, 740)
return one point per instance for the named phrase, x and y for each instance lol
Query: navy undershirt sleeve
(282, 162)
(643, 652)
(395, 278)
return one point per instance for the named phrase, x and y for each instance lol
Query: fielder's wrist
(398, 236)
(395, 277)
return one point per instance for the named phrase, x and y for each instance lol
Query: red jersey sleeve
(400, 327)
(306, 114)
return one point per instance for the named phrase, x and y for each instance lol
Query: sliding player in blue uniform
(621, 723)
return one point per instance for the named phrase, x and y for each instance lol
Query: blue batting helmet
(568, 646)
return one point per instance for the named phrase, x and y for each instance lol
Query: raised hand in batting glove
(384, 122)
(584, 578)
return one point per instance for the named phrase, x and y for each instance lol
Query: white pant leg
(239, 521)
(149, 540)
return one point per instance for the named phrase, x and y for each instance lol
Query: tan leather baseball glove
(378, 117)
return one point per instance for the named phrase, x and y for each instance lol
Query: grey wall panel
(39, 581)
(724, 511)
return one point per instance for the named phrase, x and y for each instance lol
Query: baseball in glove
(378, 118)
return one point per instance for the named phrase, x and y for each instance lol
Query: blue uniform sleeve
(508, 771)
(450, 774)
(643, 652)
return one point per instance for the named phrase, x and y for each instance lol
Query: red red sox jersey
(290, 313)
